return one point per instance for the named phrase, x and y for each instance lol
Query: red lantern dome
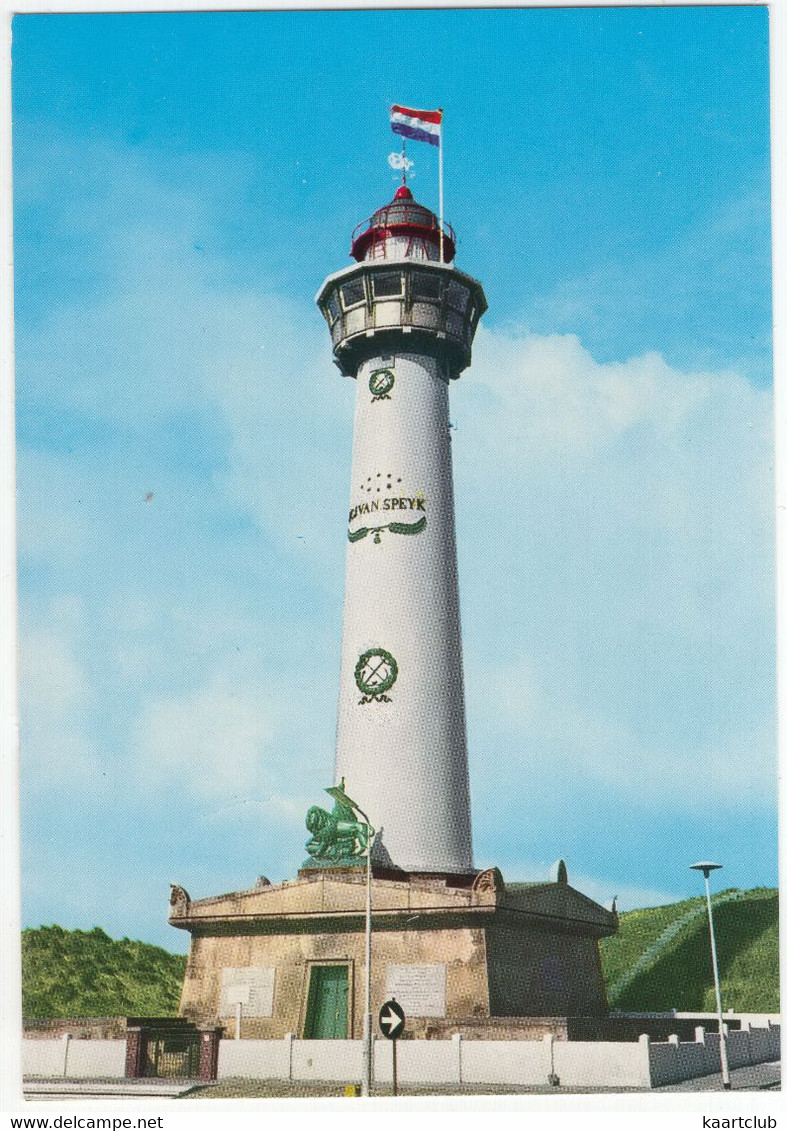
(402, 229)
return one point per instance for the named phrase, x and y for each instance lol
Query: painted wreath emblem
(380, 384)
(375, 673)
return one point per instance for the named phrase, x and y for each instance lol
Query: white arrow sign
(391, 1020)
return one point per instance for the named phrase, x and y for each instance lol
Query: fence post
(66, 1043)
(644, 1047)
(209, 1053)
(552, 1076)
(288, 1039)
(457, 1039)
(135, 1052)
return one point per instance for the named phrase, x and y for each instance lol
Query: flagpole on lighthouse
(440, 182)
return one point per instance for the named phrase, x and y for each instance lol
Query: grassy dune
(88, 974)
(661, 957)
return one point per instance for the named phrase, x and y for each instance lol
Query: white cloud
(617, 568)
(214, 741)
(541, 725)
(548, 398)
(56, 703)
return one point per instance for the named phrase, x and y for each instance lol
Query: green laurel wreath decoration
(392, 527)
(370, 694)
(386, 384)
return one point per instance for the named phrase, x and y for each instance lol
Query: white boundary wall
(506, 1062)
(602, 1064)
(327, 1060)
(753, 1020)
(258, 1060)
(44, 1058)
(577, 1064)
(674, 1060)
(74, 1059)
(418, 1062)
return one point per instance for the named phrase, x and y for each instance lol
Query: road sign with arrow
(392, 1024)
(392, 1020)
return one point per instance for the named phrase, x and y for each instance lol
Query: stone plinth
(455, 947)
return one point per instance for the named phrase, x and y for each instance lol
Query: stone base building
(462, 953)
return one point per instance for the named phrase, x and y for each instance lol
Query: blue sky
(183, 183)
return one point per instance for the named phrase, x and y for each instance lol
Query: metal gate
(165, 1046)
(172, 1055)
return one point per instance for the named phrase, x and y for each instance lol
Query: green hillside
(88, 974)
(661, 957)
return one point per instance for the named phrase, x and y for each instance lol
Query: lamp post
(366, 1069)
(347, 808)
(706, 868)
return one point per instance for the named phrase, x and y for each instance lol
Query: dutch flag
(419, 125)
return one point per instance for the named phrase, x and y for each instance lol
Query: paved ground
(265, 1089)
(59, 1089)
(760, 1078)
(763, 1077)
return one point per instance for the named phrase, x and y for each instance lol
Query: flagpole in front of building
(338, 794)
(366, 1069)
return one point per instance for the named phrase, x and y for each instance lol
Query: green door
(326, 1012)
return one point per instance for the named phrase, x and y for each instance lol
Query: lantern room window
(353, 293)
(457, 296)
(425, 286)
(332, 310)
(388, 284)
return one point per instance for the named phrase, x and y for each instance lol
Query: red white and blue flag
(419, 125)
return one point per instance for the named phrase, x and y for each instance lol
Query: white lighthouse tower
(458, 949)
(402, 323)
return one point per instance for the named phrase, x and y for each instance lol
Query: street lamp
(706, 868)
(366, 1074)
(338, 794)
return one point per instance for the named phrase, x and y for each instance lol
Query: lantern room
(403, 229)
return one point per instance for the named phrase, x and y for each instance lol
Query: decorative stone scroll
(487, 885)
(179, 900)
(420, 990)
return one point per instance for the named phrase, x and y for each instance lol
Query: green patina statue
(337, 835)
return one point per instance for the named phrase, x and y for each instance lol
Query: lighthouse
(459, 949)
(402, 320)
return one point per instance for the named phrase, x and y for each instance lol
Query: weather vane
(401, 161)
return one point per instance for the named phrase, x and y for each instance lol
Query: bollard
(457, 1039)
(553, 1079)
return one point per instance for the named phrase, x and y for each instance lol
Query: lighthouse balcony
(438, 306)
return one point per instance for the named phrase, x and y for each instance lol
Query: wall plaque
(420, 990)
(252, 986)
